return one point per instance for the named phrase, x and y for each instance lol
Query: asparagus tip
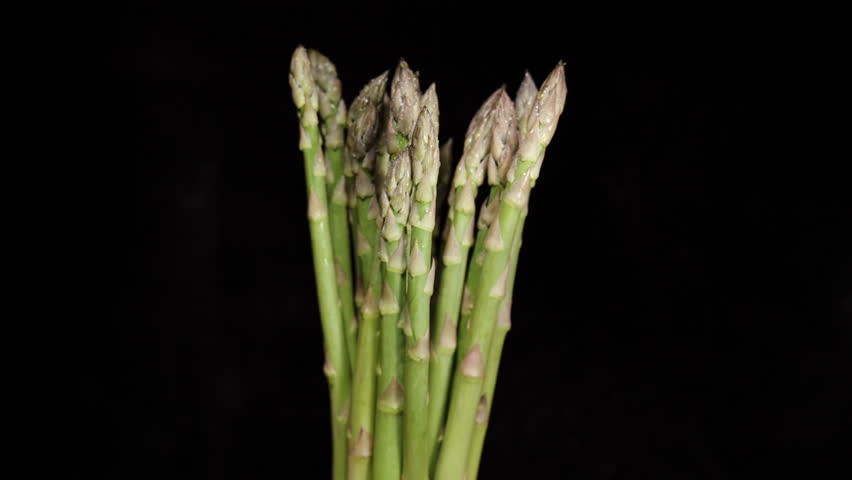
(405, 101)
(430, 102)
(325, 78)
(524, 99)
(544, 114)
(504, 139)
(301, 79)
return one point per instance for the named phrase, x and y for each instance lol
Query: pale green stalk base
(337, 369)
(502, 328)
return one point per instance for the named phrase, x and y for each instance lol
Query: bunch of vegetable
(413, 320)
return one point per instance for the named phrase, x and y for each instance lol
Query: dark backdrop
(682, 305)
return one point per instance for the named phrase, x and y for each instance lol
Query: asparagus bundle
(411, 377)
(336, 366)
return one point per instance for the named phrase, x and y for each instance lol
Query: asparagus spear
(332, 110)
(502, 326)
(425, 164)
(361, 149)
(469, 375)
(363, 137)
(504, 144)
(523, 103)
(469, 174)
(336, 368)
(395, 203)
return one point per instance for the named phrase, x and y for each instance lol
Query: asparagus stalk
(425, 164)
(336, 368)
(469, 375)
(502, 326)
(395, 203)
(332, 110)
(504, 144)
(523, 104)
(469, 174)
(363, 137)
(361, 150)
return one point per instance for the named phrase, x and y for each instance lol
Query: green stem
(388, 451)
(473, 274)
(338, 217)
(468, 380)
(450, 290)
(364, 383)
(493, 363)
(336, 368)
(416, 376)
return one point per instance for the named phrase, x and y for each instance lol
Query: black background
(682, 305)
